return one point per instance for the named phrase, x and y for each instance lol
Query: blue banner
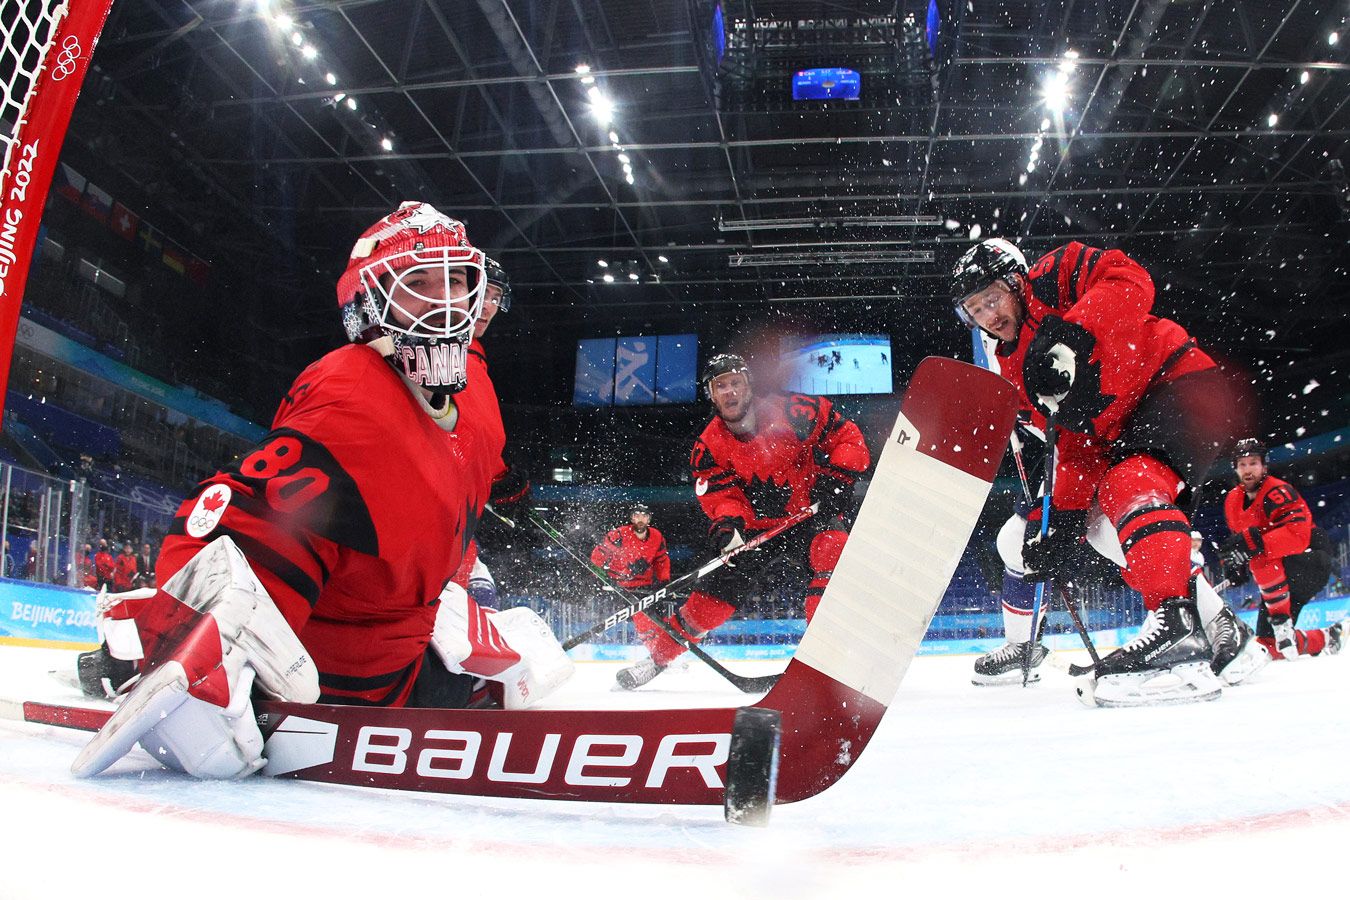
(46, 614)
(635, 371)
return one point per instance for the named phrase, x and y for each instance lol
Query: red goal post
(45, 54)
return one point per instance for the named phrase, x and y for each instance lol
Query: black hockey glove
(510, 489)
(832, 493)
(1050, 556)
(1239, 548)
(725, 534)
(1236, 573)
(1060, 377)
(637, 567)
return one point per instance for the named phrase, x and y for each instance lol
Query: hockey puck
(752, 766)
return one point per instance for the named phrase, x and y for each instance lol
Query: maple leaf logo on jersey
(213, 502)
(769, 498)
(208, 511)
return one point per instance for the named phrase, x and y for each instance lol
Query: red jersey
(104, 566)
(765, 477)
(354, 512)
(1111, 296)
(632, 561)
(1276, 521)
(124, 573)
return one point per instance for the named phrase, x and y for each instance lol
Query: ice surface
(964, 792)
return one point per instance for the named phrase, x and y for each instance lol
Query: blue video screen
(636, 371)
(826, 84)
(833, 364)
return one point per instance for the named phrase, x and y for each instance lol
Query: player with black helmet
(1141, 413)
(759, 461)
(634, 556)
(1275, 542)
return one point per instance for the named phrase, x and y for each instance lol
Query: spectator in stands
(145, 567)
(124, 574)
(7, 563)
(104, 566)
(30, 566)
(85, 567)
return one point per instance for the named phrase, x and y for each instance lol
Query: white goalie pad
(514, 647)
(193, 711)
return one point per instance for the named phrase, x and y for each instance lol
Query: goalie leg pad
(208, 637)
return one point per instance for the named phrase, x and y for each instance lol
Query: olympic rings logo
(67, 58)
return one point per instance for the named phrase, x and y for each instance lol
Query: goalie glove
(513, 647)
(204, 641)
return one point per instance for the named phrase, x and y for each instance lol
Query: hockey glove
(1286, 642)
(832, 494)
(1236, 573)
(726, 534)
(1239, 548)
(1049, 556)
(1060, 377)
(510, 489)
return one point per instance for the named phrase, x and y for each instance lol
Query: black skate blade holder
(752, 766)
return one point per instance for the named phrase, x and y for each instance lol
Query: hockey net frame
(45, 48)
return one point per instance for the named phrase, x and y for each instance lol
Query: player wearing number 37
(313, 571)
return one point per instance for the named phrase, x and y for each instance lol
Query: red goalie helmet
(414, 278)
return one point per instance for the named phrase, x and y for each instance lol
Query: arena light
(1055, 91)
(602, 108)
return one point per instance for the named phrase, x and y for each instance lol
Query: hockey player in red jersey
(634, 555)
(1142, 413)
(1275, 542)
(314, 569)
(759, 461)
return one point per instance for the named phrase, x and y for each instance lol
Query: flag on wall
(68, 183)
(175, 257)
(152, 240)
(124, 222)
(197, 271)
(97, 202)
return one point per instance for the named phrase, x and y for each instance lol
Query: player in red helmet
(1275, 542)
(759, 461)
(314, 569)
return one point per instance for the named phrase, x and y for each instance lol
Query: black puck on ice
(752, 766)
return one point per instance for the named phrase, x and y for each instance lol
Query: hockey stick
(748, 684)
(1050, 434)
(930, 482)
(1064, 595)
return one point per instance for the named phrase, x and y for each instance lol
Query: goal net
(45, 54)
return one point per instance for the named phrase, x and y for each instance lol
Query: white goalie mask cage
(415, 279)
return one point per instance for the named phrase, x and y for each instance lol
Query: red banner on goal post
(32, 154)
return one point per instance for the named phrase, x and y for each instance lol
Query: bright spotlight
(1055, 92)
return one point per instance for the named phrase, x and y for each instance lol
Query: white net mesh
(27, 28)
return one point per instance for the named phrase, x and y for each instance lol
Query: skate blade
(1191, 683)
(1005, 679)
(1251, 659)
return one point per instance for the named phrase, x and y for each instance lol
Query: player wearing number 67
(314, 568)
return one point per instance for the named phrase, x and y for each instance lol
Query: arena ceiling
(1205, 137)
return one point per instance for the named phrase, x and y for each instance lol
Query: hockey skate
(1334, 637)
(1004, 665)
(1237, 655)
(1169, 662)
(635, 676)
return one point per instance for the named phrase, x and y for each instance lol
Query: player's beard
(736, 416)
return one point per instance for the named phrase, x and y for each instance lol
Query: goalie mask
(413, 289)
